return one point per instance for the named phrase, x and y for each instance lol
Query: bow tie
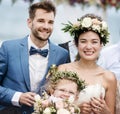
(43, 53)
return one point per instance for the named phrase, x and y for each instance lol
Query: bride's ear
(101, 45)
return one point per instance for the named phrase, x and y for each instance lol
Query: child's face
(66, 88)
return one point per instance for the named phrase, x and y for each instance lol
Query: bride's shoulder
(109, 76)
(66, 66)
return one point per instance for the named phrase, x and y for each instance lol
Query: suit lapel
(24, 61)
(52, 57)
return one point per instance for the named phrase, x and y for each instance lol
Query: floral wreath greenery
(55, 76)
(88, 24)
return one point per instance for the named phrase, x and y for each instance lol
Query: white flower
(104, 25)
(77, 24)
(54, 99)
(47, 111)
(37, 98)
(71, 99)
(63, 111)
(96, 28)
(96, 22)
(53, 65)
(86, 22)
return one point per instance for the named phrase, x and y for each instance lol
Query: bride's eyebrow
(95, 39)
(83, 39)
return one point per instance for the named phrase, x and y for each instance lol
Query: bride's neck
(87, 64)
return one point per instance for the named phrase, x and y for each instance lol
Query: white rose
(37, 98)
(63, 111)
(104, 25)
(47, 111)
(86, 22)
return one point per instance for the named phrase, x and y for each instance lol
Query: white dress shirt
(37, 66)
(110, 59)
(37, 70)
(72, 50)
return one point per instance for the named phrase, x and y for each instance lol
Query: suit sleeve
(6, 94)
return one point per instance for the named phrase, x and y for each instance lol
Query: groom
(25, 62)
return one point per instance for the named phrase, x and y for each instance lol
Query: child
(63, 88)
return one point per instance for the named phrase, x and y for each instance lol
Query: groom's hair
(45, 5)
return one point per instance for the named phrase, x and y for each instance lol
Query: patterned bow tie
(43, 53)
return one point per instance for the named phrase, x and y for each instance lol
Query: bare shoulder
(110, 76)
(67, 66)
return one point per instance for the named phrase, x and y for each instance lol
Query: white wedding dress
(91, 91)
(97, 90)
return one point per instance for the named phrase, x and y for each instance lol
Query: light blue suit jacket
(14, 67)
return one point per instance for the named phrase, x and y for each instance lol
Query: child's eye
(62, 90)
(71, 92)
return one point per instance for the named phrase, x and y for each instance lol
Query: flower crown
(55, 76)
(88, 24)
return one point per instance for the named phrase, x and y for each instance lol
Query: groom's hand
(27, 99)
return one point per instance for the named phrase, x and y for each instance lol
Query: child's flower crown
(88, 24)
(55, 76)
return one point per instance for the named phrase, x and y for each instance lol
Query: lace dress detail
(91, 91)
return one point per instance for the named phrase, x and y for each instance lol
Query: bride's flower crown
(88, 23)
(55, 76)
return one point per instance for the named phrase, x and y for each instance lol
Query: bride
(90, 34)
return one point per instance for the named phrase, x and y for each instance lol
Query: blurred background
(14, 14)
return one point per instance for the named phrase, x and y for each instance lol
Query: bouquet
(52, 105)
